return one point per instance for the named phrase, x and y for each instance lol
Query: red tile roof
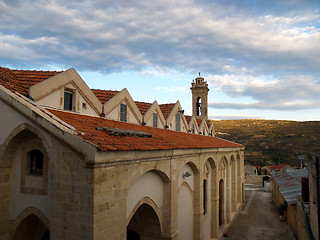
(166, 109)
(161, 139)
(21, 80)
(143, 106)
(199, 121)
(104, 95)
(277, 167)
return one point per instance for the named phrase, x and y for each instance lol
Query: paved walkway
(259, 219)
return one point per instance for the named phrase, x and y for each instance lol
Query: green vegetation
(271, 141)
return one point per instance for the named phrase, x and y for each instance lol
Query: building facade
(77, 163)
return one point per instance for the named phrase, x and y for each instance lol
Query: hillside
(271, 141)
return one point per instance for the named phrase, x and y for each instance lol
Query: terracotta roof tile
(21, 80)
(166, 109)
(104, 95)
(143, 106)
(161, 139)
(277, 167)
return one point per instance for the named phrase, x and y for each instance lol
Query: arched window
(198, 106)
(35, 160)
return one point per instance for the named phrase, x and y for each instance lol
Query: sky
(261, 59)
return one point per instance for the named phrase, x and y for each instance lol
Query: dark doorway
(144, 224)
(31, 228)
(132, 235)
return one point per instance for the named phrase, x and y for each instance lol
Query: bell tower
(199, 89)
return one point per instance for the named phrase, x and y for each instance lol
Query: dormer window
(155, 120)
(177, 121)
(123, 112)
(35, 158)
(68, 100)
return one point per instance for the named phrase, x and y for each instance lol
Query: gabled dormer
(121, 107)
(176, 121)
(203, 127)
(151, 114)
(66, 91)
(193, 126)
(212, 131)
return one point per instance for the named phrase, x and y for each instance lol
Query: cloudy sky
(260, 58)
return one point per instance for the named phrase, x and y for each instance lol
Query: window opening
(192, 128)
(155, 120)
(204, 197)
(123, 112)
(177, 121)
(204, 131)
(198, 106)
(36, 162)
(68, 96)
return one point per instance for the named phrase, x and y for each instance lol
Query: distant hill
(271, 141)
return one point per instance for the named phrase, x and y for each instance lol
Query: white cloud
(266, 50)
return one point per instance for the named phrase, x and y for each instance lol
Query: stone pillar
(234, 186)
(214, 204)
(5, 227)
(197, 207)
(239, 180)
(228, 194)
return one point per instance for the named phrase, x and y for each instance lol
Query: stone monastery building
(79, 163)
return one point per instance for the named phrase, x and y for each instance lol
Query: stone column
(214, 204)
(228, 195)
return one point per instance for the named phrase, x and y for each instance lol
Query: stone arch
(194, 168)
(13, 162)
(211, 162)
(15, 138)
(185, 184)
(148, 201)
(233, 184)
(162, 175)
(189, 207)
(151, 188)
(144, 223)
(150, 184)
(31, 223)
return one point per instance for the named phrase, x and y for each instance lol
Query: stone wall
(254, 179)
(113, 180)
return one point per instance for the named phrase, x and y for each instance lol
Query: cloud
(290, 93)
(266, 50)
(178, 34)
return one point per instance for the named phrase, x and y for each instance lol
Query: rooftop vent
(123, 132)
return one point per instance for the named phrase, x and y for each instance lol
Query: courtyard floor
(259, 219)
